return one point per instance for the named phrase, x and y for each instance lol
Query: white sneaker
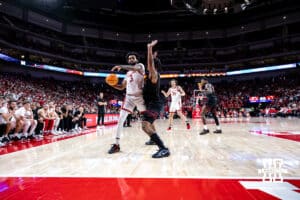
(17, 135)
(55, 133)
(59, 132)
(2, 144)
(38, 137)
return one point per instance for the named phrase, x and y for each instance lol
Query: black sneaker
(23, 139)
(205, 131)
(218, 131)
(150, 142)
(188, 126)
(5, 139)
(114, 149)
(161, 153)
(30, 137)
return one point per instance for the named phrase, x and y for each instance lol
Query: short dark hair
(11, 101)
(204, 78)
(26, 102)
(132, 53)
(173, 80)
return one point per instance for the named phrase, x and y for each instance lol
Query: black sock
(216, 120)
(155, 138)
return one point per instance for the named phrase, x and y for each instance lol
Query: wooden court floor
(238, 152)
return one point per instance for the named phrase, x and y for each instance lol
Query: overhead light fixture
(226, 10)
(243, 6)
(215, 11)
(247, 2)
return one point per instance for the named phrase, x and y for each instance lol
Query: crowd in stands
(46, 106)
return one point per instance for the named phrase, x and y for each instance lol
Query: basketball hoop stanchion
(197, 95)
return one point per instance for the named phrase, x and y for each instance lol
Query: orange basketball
(112, 79)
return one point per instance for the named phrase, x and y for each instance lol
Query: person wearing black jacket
(81, 118)
(101, 103)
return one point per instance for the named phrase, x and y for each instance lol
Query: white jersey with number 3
(175, 94)
(135, 82)
(175, 100)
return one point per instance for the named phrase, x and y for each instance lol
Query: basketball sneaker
(161, 153)
(205, 131)
(2, 144)
(218, 131)
(5, 140)
(150, 142)
(114, 149)
(30, 137)
(188, 126)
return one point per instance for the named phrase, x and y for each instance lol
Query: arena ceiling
(161, 15)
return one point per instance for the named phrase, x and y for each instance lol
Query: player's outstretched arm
(182, 92)
(138, 67)
(120, 86)
(150, 62)
(166, 94)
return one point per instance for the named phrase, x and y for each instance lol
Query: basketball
(112, 79)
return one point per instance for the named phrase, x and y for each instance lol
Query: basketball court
(239, 153)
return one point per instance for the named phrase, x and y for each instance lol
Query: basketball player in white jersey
(176, 93)
(134, 83)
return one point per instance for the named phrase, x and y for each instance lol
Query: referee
(101, 103)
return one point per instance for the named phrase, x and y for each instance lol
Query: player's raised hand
(153, 43)
(116, 68)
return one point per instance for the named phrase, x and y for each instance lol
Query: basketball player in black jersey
(210, 105)
(153, 102)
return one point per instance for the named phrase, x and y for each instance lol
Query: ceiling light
(226, 9)
(215, 11)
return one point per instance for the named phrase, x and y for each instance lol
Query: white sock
(205, 127)
(123, 116)
(117, 141)
(218, 128)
